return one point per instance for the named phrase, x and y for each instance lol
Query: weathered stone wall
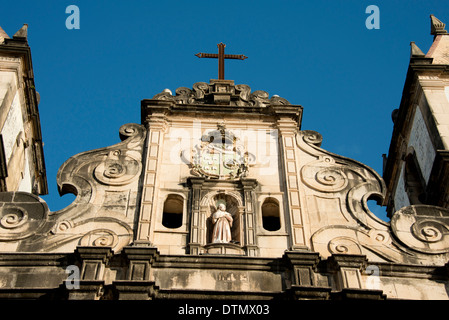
(142, 273)
(14, 130)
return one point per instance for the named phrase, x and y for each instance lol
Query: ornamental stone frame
(239, 197)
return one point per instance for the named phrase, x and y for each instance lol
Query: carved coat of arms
(219, 156)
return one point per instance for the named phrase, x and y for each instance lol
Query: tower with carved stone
(417, 168)
(22, 165)
(145, 223)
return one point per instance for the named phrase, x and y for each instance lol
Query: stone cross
(221, 56)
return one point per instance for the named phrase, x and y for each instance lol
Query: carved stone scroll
(423, 228)
(21, 215)
(341, 188)
(106, 183)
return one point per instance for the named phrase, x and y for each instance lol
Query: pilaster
(139, 260)
(347, 270)
(93, 261)
(197, 232)
(288, 126)
(249, 186)
(304, 284)
(154, 117)
(138, 285)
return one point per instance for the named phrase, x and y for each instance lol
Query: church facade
(219, 194)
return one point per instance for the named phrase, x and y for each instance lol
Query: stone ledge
(309, 292)
(134, 290)
(360, 294)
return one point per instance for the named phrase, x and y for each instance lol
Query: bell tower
(417, 167)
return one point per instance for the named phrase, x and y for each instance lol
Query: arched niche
(234, 206)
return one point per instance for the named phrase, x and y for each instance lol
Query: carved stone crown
(436, 26)
(222, 92)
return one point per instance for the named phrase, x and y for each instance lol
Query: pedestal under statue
(222, 221)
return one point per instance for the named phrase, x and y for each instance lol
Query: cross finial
(221, 56)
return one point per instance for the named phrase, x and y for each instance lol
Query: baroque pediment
(105, 182)
(339, 188)
(222, 92)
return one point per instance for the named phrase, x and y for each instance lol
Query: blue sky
(318, 54)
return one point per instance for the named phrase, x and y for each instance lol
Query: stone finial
(436, 26)
(22, 32)
(3, 35)
(417, 56)
(415, 51)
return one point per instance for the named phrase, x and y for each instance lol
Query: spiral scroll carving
(130, 130)
(344, 245)
(422, 228)
(201, 89)
(324, 175)
(330, 177)
(429, 230)
(13, 217)
(311, 137)
(119, 171)
(100, 238)
(114, 170)
(245, 92)
(21, 215)
(259, 98)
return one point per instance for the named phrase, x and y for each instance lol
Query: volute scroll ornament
(21, 215)
(105, 181)
(422, 228)
(116, 165)
(117, 169)
(344, 245)
(310, 137)
(324, 175)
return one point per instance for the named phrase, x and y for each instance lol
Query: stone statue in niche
(222, 221)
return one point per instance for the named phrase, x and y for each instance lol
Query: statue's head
(222, 206)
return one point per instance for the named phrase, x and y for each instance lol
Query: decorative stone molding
(140, 259)
(93, 261)
(347, 269)
(343, 186)
(221, 92)
(134, 290)
(304, 265)
(105, 182)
